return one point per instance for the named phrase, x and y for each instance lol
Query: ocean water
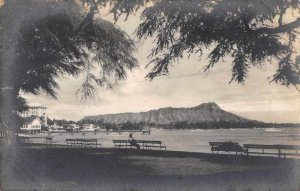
(197, 140)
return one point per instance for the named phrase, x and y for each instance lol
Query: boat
(146, 130)
(89, 128)
(272, 130)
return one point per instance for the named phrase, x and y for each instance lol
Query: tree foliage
(61, 41)
(251, 32)
(44, 40)
(41, 40)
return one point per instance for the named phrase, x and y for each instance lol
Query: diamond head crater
(204, 116)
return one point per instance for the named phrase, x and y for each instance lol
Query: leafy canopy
(251, 32)
(63, 36)
(42, 40)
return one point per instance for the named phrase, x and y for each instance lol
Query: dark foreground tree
(43, 40)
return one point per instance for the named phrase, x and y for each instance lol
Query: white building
(73, 128)
(89, 128)
(31, 125)
(55, 126)
(39, 111)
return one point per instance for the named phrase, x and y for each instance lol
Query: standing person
(133, 142)
(107, 130)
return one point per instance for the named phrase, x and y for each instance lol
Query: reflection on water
(197, 140)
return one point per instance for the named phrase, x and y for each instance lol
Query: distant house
(31, 125)
(56, 127)
(73, 127)
(40, 111)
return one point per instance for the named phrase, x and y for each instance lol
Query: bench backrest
(80, 140)
(91, 140)
(216, 144)
(287, 147)
(139, 141)
(256, 146)
(120, 141)
(151, 142)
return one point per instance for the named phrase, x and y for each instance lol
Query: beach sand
(41, 168)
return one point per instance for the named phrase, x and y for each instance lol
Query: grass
(132, 170)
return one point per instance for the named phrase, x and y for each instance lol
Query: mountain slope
(204, 113)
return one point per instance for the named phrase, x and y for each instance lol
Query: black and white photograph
(150, 95)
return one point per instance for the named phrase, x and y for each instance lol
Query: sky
(187, 86)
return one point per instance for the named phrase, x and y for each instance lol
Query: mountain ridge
(204, 113)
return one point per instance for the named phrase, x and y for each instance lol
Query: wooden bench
(71, 142)
(25, 140)
(49, 141)
(279, 150)
(153, 144)
(83, 142)
(226, 147)
(122, 144)
(144, 144)
(90, 143)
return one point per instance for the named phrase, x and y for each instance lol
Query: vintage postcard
(150, 95)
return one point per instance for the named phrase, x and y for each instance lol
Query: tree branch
(89, 17)
(279, 29)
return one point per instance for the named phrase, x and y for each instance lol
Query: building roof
(29, 120)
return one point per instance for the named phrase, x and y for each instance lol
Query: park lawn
(41, 168)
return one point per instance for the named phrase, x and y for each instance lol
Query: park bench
(122, 144)
(226, 147)
(90, 143)
(79, 142)
(49, 141)
(153, 144)
(144, 144)
(279, 150)
(83, 142)
(25, 140)
(71, 142)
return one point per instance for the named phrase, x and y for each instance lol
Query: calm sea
(197, 140)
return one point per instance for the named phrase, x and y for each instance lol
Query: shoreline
(190, 140)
